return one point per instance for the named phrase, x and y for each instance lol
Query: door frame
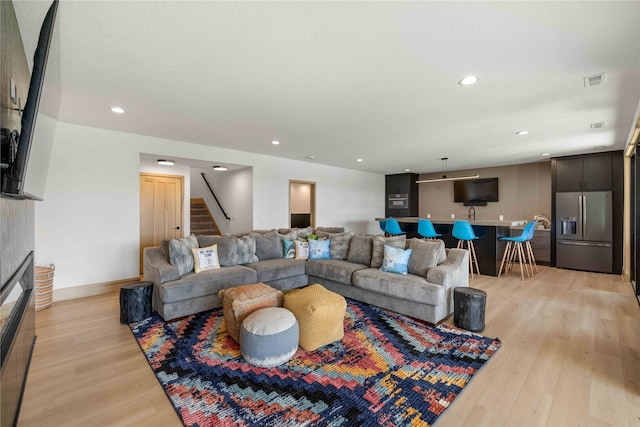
(312, 201)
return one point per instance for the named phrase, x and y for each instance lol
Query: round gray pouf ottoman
(468, 308)
(269, 337)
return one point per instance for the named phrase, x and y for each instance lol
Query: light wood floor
(570, 356)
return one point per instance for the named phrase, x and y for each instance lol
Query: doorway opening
(302, 204)
(161, 207)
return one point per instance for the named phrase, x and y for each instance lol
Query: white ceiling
(346, 80)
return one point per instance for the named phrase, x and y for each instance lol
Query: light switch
(14, 97)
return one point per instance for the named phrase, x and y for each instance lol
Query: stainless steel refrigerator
(584, 224)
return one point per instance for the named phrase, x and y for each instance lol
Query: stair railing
(214, 196)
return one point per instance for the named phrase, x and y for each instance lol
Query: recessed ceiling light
(522, 132)
(275, 142)
(358, 160)
(545, 154)
(117, 110)
(219, 168)
(407, 170)
(166, 162)
(469, 80)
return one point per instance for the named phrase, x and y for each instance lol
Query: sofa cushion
(226, 248)
(164, 249)
(425, 255)
(377, 252)
(195, 285)
(395, 260)
(336, 270)
(360, 249)
(268, 245)
(339, 247)
(319, 249)
(276, 269)
(323, 231)
(180, 254)
(407, 287)
(246, 249)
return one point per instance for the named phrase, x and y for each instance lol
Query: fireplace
(17, 338)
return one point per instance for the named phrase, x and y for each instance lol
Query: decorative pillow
(426, 255)
(205, 258)
(180, 254)
(246, 250)
(395, 260)
(268, 245)
(319, 249)
(227, 246)
(339, 248)
(302, 249)
(378, 247)
(360, 250)
(289, 249)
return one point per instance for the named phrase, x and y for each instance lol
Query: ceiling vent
(595, 80)
(598, 125)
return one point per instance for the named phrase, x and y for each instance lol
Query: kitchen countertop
(484, 222)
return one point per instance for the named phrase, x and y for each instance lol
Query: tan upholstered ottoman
(320, 315)
(240, 301)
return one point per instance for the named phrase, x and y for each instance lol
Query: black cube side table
(468, 308)
(135, 301)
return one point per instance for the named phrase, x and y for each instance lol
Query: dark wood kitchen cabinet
(401, 195)
(588, 173)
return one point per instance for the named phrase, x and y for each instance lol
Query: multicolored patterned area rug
(389, 370)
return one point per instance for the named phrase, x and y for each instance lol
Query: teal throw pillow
(395, 260)
(319, 249)
(289, 249)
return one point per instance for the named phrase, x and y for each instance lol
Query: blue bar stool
(426, 230)
(382, 223)
(515, 248)
(529, 249)
(463, 231)
(392, 227)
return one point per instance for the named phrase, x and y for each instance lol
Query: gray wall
(524, 190)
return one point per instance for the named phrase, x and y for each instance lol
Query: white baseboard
(75, 292)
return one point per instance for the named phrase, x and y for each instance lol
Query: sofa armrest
(453, 271)
(156, 267)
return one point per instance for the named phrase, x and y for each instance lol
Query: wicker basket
(44, 286)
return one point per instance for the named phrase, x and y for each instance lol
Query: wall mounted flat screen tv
(26, 147)
(476, 191)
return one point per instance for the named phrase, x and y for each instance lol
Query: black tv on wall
(476, 192)
(26, 147)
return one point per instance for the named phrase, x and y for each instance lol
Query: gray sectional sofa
(352, 270)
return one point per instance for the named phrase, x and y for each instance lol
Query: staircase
(201, 220)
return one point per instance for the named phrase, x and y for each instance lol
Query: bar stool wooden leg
(475, 258)
(532, 258)
(504, 256)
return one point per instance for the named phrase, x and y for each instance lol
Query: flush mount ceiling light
(468, 81)
(117, 110)
(219, 168)
(522, 132)
(545, 154)
(166, 162)
(407, 170)
(444, 175)
(359, 160)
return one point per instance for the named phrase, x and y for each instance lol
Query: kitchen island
(489, 249)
